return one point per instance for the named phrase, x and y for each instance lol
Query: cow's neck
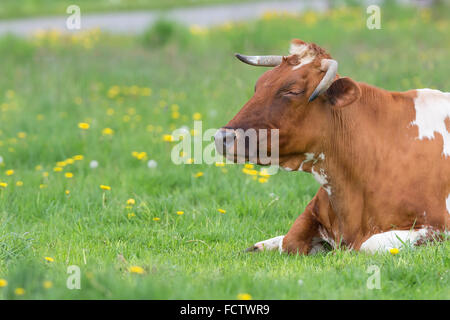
(356, 134)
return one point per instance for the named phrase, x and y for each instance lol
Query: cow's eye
(293, 92)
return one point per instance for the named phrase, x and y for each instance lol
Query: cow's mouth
(239, 147)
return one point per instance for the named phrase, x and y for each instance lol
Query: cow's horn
(264, 61)
(330, 66)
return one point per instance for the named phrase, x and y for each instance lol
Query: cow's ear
(342, 92)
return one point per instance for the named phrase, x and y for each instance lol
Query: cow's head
(297, 97)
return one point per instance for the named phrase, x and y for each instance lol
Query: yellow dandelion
(113, 92)
(221, 210)
(168, 138)
(68, 175)
(156, 219)
(197, 116)
(394, 251)
(45, 174)
(180, 213)
(136, 269)
(22, 135)
(38, 167)
(19, 183)
(219, 164)
(78, 157)
(264, 173)
(248, 166)
(9, 172)
(141, 155)
(146, 92)
(244, 296)
(175, 114)
(83, 125)
(131, 215)
(69, 161)
(107, 132)
(3, 283)
(57, 169)
(3, 184)
(198, 30)
(131, 202)
(42, 186)
(19, 291)
(67, 192)
(103, 187)
(263, 180)
(198, 174)
(189, 161)
(251, 172)
(49, 259)
(78, 100)
(47, 284)
(61, 164)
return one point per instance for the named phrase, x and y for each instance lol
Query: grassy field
(27, 8)
(68, 103)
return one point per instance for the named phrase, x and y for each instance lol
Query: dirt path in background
(138, 21)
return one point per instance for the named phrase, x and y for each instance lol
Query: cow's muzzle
(224, 140)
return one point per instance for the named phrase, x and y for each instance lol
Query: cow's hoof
(270, 244)
(254, 249)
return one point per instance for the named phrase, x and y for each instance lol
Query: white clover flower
(152, 164)
(93, 164)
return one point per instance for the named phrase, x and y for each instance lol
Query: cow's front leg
(270, 244)
(303, 237)
(299, 239)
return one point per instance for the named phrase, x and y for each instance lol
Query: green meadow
(86, 176)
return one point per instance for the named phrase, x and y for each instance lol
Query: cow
(382, 158)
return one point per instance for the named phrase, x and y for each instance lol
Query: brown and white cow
(382, 158)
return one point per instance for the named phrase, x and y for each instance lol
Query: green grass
(50, 84)
(28, 8)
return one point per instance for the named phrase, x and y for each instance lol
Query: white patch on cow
(326, 237)
(447, 203)
(304, 53)
(286, 168)
(304, 61)
(320, 176)
(327, 189)
(309, 157)
(270, 244)
(432, 108)
(392, 239)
